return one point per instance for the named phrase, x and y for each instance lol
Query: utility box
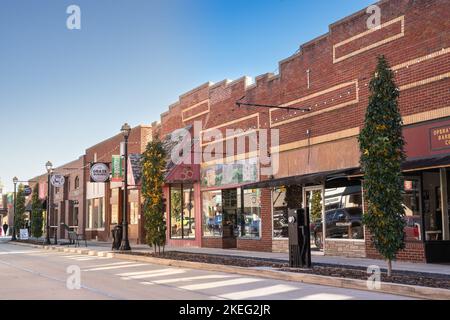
(299, 238)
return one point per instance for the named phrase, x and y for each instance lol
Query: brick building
(104, 204)
(67, 202)
(232, 203)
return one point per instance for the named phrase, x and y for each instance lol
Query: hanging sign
(116, 169)
(27, 191)
(57, 180)
(99, 172)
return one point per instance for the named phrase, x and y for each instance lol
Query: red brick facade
(330, 75)
(103, 152)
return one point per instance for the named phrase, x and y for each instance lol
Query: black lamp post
(48, 166)
(13, 238)
(125, 245)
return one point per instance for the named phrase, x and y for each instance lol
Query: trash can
(117, 237)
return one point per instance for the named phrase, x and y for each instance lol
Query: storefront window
(436, 204)
(241, 171)
(115, 206)
(343, 212)
(182, 212)
(280, 213)
(96, 214)
(212, 213)
(134, 212)
(249, 221)
(411, 204)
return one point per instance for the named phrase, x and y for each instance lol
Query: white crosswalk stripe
(218, 284)
(258, 293)
(190, 279)
(127, 274)
(118, 267)
(154, 275)
(109, 264)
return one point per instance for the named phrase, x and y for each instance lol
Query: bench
(74, 237)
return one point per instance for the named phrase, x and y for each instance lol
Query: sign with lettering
(23, 234)
(27, 191)
(116, 169)
(99, 172)
(440, 138)
(57, 180)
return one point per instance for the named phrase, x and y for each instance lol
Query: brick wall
(414, 38)
(280, 245)
(345, 248)
(103, 152)
(414, 250)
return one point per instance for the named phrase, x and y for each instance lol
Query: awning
(312, 178)
(182, 172)
(432, 162)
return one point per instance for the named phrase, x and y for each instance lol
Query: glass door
(313, 200)
(230, 212)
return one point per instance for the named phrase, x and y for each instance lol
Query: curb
(390, 288)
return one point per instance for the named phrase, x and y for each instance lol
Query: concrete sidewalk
(316, 257)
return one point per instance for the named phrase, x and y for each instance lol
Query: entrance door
(313, 199)
(435, 197)
(230, 215)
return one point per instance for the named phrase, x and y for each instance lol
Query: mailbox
(299, 238)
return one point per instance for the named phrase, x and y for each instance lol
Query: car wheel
(318, 240)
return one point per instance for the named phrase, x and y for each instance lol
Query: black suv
(339, 223)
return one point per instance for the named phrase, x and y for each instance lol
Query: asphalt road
(29, 273)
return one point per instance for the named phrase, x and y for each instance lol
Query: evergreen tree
(36, 213)
(154, 165)
(382, 151)
(19, 214)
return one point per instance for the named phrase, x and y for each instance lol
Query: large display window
(182, 211)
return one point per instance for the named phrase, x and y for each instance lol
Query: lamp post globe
(126, 129)
(48, 166)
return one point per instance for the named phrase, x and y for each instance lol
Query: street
(30, 273)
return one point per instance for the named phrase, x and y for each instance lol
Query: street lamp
(13, 238)
(125, 245)
(48, 166)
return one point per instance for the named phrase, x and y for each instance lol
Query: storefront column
(444, 204)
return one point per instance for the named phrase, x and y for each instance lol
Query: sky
(62, 91)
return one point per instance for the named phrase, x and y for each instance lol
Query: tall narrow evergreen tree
(19, 214)
(382, 151)
(154, 164)
(36, 213)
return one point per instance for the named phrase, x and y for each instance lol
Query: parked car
(340, 223)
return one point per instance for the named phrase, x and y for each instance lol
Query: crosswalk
(211, 285)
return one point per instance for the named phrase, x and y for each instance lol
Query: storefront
(427, 187)
(230, 214)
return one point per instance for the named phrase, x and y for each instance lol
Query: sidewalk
(316, 258)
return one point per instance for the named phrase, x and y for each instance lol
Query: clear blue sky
(62, 90)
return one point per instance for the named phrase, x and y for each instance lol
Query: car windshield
(354, 211)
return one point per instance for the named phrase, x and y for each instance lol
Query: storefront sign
(57, 180)
(27, 191)
(440, 138)
(99, 172)
(116, 169)
(408, 185)
(23, 234)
